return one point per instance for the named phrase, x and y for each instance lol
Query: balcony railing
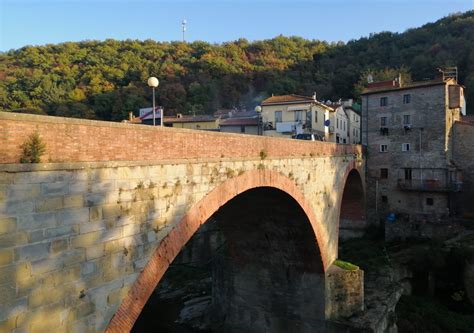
(430, 180)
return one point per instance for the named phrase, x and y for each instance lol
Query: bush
(33, 149)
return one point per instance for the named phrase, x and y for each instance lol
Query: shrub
(33, 149)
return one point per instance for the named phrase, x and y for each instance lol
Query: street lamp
(258, 109)
(153, 82)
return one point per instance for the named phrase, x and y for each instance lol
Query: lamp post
(153, 83)
(258, 109)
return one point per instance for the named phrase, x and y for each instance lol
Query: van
(309, 137)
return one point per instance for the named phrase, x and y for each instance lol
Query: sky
(39, 22)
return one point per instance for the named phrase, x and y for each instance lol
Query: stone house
(463, 157)
(407, 130)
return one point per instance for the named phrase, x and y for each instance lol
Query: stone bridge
(86, 235)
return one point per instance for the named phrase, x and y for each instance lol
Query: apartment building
(407, 131)
(288, 115)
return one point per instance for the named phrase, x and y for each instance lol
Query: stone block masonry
(78, 240)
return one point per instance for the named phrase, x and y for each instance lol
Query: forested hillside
(106, 80)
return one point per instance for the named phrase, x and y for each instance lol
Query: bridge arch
(352, 219)
(171, 245)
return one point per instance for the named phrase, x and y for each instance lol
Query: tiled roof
(287, 99)
(333, 106)
(239, 121)
(188, 119)
(413, 85)
(467, 119)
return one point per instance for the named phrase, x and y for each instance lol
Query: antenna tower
(183, 25)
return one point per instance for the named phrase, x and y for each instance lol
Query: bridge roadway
(86, 235)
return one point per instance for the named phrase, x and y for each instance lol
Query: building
(242, 125)
(288, 115)
(463, 156)
(336, 123)
(201, 122)
(352, 111)
(407, 131)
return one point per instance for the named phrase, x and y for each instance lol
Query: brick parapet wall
(77, 140)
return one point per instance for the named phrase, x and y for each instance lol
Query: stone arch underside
(352, 219)
(171, 245)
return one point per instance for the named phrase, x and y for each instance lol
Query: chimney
(130, 116)
(400, 79)
(314, 96)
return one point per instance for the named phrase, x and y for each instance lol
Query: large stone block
(34, 251)
(73, 216)
(86, 240)
(49, 204)
(6, 257)
(57, 188)
(74, 201)
(15, 207)
(23, 192)
(7, 225)
(37, 221)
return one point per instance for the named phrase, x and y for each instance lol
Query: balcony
(292, 126)
(429, 180)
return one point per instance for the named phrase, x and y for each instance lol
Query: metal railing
(430, 180)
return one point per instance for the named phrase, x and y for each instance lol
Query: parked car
(310, 137)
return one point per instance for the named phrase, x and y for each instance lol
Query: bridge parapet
(87, 239)
(76, 140)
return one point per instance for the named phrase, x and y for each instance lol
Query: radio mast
(183, 25)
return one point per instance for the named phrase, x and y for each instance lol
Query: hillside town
(226, 181)
(416, 136)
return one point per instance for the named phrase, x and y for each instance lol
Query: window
(406, 99)
(383, 173)
(383, 121)
(407, 173)
(384, 199)
(406, 119)
(309, 116)
(383, 101)
(299, 116)
(383, 148)
(429, 201)
(337, 123)
(277, 116)
(242, 129)
(405, 147)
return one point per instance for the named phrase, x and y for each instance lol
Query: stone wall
(75, 237)
(430, 147)
(463, 156)
(344, 292)
(79, 240)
